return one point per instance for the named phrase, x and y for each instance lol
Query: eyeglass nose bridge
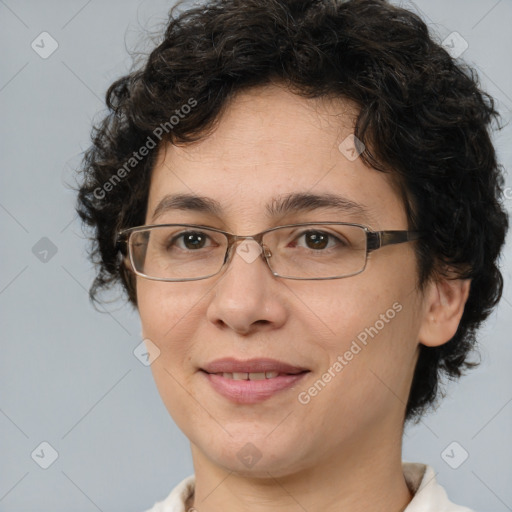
(234, 239)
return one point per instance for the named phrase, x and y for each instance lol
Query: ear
(444, 304)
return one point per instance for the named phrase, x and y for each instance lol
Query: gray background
(68, 373)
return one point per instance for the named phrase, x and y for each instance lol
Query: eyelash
(331, 236)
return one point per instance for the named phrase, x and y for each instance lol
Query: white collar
(429, 496)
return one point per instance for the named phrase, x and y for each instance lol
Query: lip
(251, 391)
(231, 365)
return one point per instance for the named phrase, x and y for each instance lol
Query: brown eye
(319, 240)
(191, 240)
(316, 240)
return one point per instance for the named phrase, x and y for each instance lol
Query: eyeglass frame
(374, 240)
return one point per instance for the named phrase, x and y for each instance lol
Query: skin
(342, 450)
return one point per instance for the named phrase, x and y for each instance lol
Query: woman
(301, 200)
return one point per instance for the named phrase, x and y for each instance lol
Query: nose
(247, 296)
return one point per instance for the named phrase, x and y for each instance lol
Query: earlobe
(444, 305)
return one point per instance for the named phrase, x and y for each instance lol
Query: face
(268, 144)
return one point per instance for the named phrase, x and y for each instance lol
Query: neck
(356, 477)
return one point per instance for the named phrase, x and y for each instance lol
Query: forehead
(267, 146)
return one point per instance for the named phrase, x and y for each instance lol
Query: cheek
(370, 344)
(164, 306)
(169, 316)
(367, 375)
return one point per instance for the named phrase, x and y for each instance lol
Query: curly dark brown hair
(422, 116)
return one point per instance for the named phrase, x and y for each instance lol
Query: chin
(260, 458)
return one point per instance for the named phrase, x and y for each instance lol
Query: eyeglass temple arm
(378, 239)
(121, 242)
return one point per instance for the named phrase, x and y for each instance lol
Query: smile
(250, 376)
(251, 388)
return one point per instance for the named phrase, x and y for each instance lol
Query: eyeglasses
(310, 250)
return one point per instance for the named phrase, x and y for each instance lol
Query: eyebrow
(278, 206)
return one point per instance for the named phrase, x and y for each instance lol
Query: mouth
(253, 381)
(256, 367)
(251, 375)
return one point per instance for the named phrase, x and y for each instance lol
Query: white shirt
(429, 496)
